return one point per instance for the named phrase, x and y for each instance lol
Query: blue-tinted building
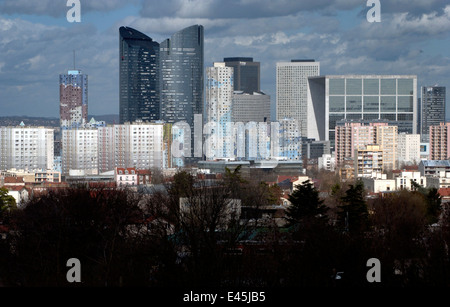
(182, 71)
(433, 109)
(139, 97)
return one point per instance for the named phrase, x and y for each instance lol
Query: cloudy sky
(37, 42)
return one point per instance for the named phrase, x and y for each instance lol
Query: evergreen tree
(305, 204)
(433, 200)
(353, 214)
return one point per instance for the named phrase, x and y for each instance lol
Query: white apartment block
(137, 145)
(408, 148)
(27, 148)
(403, 182)
(292, 91)
(80, 151)
(386, 137)
(219, 101)
(286, 139)
(327, 162)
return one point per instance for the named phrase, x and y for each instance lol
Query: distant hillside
(50, 121)
(108, 118)
(29, 121)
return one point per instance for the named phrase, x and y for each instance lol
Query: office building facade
(292, 92)
(250, 107)
(361, 97)
(73, 99)
(433, 109)
(182, 71)
(246, 74)
(139, 83)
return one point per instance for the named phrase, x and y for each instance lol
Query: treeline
(216, 233)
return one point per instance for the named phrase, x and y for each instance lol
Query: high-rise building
(79, 151)
(286, 141)
(361, 97)
(182, 58)
(246, 74)
(292, 92)
(26, 148)
(408, 148)
(139, 97)
(218, 108)
(386, 137)
(250, 107)
(439, 136)
(138, 144)
(352, 135)
(433, 109)
(368, 159)
(73, 99)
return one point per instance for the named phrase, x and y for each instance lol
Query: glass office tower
(139, 77)
(433, 109)
(361, 97)
(246, 74)
(182, 58)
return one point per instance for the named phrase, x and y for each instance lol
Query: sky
(37, 42)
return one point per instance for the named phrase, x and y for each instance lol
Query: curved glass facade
(182, 75)
(182, 71)
(139, 77)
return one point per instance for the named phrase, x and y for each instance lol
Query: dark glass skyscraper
(433, 109)
(182, 77)
(139, 77)
(246, 74)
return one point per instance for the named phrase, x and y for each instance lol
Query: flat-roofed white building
(292, 92)
(27, 148)
(408, 148)
(80, 151)
(137, 145)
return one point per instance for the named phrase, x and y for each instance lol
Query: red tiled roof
(15, 187)
(129, 169)
(14, 180)
(444, 192)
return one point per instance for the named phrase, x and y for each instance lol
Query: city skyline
(410, 39)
